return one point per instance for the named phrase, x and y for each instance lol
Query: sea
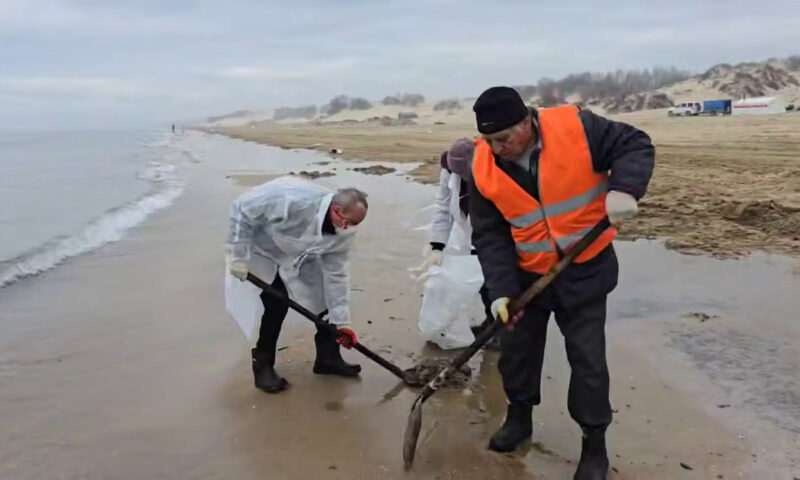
(65, 193)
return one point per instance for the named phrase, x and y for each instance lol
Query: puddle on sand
(735, 320)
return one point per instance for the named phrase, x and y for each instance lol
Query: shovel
(397, 371)
(414, 424)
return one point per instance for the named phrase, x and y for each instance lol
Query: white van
(685, 109)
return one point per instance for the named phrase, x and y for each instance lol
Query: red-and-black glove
(346, 337)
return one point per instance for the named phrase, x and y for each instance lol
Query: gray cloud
(93, 63)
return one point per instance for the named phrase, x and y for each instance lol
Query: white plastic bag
(243, 303)
(243, 299)
(449, 304)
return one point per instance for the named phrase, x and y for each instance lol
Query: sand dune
(779, 77)
(773, 77)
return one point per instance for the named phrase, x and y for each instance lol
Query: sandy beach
(129, 129)
(723, 186)
(122, 363)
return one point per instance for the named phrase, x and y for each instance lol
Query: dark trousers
(487, 302)
(583, 328)
(487, 307)
(271, 322)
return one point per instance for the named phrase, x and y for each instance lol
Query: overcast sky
(111, 63)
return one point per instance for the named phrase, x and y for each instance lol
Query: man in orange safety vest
(540, 181)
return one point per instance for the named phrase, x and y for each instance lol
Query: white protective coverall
(449, 225)
(450, 305)
(277, 227)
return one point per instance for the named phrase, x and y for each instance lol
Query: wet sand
(123, 364)
(723, 186)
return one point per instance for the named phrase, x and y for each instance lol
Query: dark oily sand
(700, 316)
(375, 170)
(428, 368)
(313, 174)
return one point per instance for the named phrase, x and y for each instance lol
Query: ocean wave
(108, 228)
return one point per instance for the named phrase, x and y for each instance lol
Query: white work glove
(499, 310)
(434, 259)
(620, 206)
(238, 269)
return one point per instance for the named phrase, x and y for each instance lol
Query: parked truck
(716, 107)
(706, 107)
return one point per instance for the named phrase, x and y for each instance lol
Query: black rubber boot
(594, 458)
(264, 374)
(329, 359)
(517, 428)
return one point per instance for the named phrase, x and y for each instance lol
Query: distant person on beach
(450, 226)
(541, 180)
(173, 128)
(297, 236)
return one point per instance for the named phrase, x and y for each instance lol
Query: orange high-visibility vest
(572, 195)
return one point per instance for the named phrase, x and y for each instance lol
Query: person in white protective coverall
(297, 236)
(450, 225)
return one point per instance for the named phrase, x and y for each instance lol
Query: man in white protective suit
(450, 226)
(297, 236)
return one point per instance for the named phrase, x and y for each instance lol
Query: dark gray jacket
(626, 152)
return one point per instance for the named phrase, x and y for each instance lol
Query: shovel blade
(413, 427)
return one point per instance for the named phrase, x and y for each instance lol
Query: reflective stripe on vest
(571, 194)
(535, 247)
(568, 240)
(559, 208)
